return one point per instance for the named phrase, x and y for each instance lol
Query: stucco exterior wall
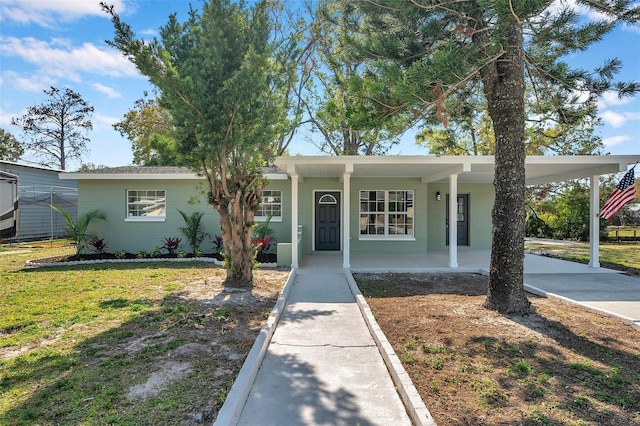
(481, 197)
(186, 195)
(111, 196)
(429, 217)
(429, 214)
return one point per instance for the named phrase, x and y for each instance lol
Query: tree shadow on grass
(89, 381)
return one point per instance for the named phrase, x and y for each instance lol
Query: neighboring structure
(40, 187)
(8, 205)
(352, 204)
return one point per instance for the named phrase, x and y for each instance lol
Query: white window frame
(386, 213)
(147, 193)
(263, 218)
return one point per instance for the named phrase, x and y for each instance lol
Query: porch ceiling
(480, 169)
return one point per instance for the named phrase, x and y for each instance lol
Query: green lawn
(67, 333)
(621, 256)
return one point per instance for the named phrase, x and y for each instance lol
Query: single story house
(351, 204)
(38, 188)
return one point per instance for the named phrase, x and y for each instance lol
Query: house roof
(152, 172)
(470, 169)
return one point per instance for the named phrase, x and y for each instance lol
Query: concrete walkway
(322, 366)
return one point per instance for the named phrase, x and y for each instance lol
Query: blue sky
(60, 43)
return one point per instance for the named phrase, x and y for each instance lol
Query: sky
(61, 43)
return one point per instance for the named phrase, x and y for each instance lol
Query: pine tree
(429, 51)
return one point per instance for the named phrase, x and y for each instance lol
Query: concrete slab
(614, 293)
(322, 366)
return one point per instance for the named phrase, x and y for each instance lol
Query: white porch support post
(594, 219)
(346, 214)
(453, 221)
(294, 221)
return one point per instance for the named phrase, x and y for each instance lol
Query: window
(146, 205)
(271, 206)
(386, 214)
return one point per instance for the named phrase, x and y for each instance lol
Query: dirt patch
(193, 347)
(562, 365)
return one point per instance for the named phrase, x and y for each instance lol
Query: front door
(463, 219)
(327, 221)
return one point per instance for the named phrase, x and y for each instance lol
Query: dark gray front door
(462, 214)
(327, 221)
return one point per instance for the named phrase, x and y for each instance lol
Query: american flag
(624, 193)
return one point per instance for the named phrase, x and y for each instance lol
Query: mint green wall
(282, 230)
(481, 198)
(429, 220)
(110, 196)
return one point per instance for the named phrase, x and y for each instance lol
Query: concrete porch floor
(469, 260)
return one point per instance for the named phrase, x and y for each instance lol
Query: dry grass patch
(563, 365)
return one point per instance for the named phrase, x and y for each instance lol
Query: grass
(627, 232)
(67, 333)
(620, 256)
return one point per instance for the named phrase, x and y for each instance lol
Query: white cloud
(104, 122)
(617, 119)
(615, 140)
(610, 98)
(33, 83)
(70, 61)
(110, 92)
(49, 13)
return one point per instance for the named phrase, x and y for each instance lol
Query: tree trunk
(236, 224)
(504, 88)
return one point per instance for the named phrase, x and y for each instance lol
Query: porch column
(594, 222)
(346, 214)
(294, 221)
(453, 221)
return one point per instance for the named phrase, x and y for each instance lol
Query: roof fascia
(130, 176)
(455, 170)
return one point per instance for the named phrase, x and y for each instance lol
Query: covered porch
(450, 170)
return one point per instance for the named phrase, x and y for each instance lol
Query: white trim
(146, 219)
(274, 219)
(594, 219)
(130, 176)
(453, 221)
(148, 176)
(387, 236)
(295, 247)
(330, 202)
(390, 238)
(345, 225)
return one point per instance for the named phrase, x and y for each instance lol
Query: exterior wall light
(438, 196)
